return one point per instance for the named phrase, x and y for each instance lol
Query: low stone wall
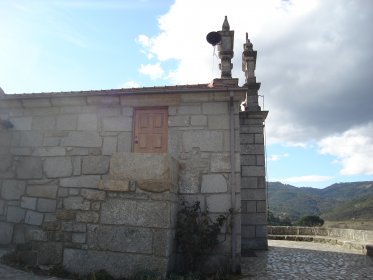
(354, 239)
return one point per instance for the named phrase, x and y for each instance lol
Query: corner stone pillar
(253, 185)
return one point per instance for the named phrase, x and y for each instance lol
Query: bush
(277, 221)
(310, 221)
(196, 233)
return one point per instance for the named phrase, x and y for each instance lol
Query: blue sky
(315, 63)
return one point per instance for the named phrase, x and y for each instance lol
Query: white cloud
(353, 149)
(304, 179)
(277, 157)
(130, 84)
(154, 71)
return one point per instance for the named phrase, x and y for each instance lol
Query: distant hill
(337, 202)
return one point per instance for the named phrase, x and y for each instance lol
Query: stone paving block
(46, 205)
(82, 139)
(109, 238)
(12, 189)
(86, 181)
(28, 202)
(220, 203)
(46, 191)
(6, 233)
(135, 213)
(95, 164)
(29, 168)
(56, 167)
(34, 218)
(15, 214)
(209, 141)
(213, 183)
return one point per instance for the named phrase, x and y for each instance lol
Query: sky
(315, 66)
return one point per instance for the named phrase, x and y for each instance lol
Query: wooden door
(150, 130)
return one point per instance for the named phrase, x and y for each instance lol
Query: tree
(310, 221)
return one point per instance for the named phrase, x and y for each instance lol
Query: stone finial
(226, 50)
(225, 26)
(249, 61)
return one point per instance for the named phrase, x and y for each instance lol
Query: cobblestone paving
(307, 260)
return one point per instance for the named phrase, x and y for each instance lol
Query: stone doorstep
(366, 249)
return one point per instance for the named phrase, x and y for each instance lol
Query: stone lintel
(254, 115)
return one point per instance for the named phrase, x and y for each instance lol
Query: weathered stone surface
(115, 185)
(198, 120)
(86, 181)
(120, 239)
(218, 122)
(15, 214)
(87, 122)
(6, 162)
(218, 203)
(117, 264)
(29, 139)
(2, 205)
(78, 237)
(49, 252)
(253, 171)
(164, 242)
(87, 217)
(68, 101)
(49, 151)
(117, 124)
(73, 227)
(82, 139)
(189, 109)
(66, 122)
(36, 103)
(178, 121)
(75, 203)
(28, 202)
(135, 213)
(95, 164)
(152, 172)
(46, 205)
(58, 167)
(6, 233)
(21, 123)
(254, 218)
(209, 141)
(253, 194)
(18, 234)
(125, 142)
(46, 191)
(213, 183)
(92, 194)
(34, 218)
(12, 189)
(254, 149)
(215, 108)
(65, 215)
(29, 168)
(220, 162)
(43, 123)
(109, 146)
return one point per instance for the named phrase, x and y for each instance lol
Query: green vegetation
(310, 221)
(277, 221)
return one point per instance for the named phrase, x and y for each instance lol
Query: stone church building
(92, 179)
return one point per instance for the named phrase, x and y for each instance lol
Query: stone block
(6, 162)
(28, 202)
(18, 234)
(78, 237)
(198, 120)
(73, 227)
(254, 218)
(252, 149)
(195, 97)
(34, 218)
(46, 191)
(248, 231)
(15, 214)
(213, 183)
(2, 205)
(259, 138)
(73, 191)
(249, 182)
(260, 160)
(56, 167)
(247, 138)
(6, 233)
(12, 189)
(248, 159)
(104, 100)
(218, 203)
(253, 194)
(135, 213)
(93, 194)
(152, 172)
(46, 205)
(206, 141)
(68, 101)
(43, 123)
(87, 217)
(164, 243)
(115, 185)
(49, 151)
(125, 142)
(109, 146)
(261, 206)
(218, 122)
(253, 171)
(86, 181)
(88, 139)
(65, 214)
(144, 100)
(119, 265)
(95, 206)
(67, 122)
(95, 164)
(178, 121)
(250, 206)
(110, 238)
(220, 162)
(75, 203)
(21, 123)
(29, 168)
(189, 109)
(51, 225)
(117, 124)
(49, 252)
(215, 108)
(29, 139)
(87, 122)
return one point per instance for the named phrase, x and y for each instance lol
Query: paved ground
(284, 260)
(307, 260)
